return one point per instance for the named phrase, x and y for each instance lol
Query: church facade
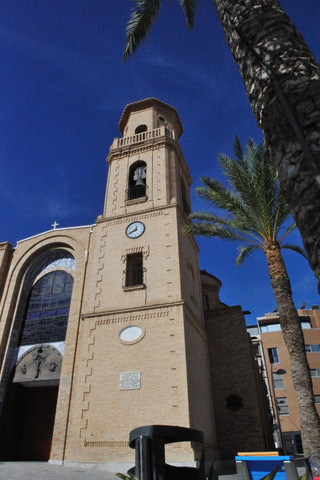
(103, 327)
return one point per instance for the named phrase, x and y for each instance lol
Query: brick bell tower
(142, 349)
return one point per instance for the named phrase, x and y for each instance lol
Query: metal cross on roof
(54, 225)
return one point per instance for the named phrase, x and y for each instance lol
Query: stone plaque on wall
(130, 381)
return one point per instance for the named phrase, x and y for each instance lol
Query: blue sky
(63, 88)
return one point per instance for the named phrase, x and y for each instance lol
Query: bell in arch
(139, 176)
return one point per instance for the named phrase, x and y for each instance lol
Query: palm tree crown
(256, 213)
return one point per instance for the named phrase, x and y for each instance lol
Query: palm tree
(257, 217)
(282, 81)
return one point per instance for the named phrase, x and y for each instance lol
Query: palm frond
(143, 17)
(212, 218)
(223, 232)
(189, 8)
(240, 227)
(219, 196)
(237, 148)
(256, 182)
(244, 177)
(287, 231)
(280, 212)
(244, 252)
(295, 248)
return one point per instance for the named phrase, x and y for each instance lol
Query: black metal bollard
(149, 444)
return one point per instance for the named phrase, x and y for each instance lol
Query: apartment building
(273, 356)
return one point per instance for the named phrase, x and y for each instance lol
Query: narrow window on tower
(137, 180)
(134, 270)
(185, 202)
(205, 301)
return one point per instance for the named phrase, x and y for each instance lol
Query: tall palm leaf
(143, 17)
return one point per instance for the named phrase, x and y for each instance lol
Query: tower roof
(146, 103)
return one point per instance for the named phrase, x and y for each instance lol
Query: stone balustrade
(142, 137)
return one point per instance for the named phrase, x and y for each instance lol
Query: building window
(272, 327)
(185, 202)
(137, 180)
(312, 348)
(48, 309)
(134, 270)
(305, 325)
(316, 398)
(277, 381)
(205, 301)
(276, 327)
(315, 372)
(298, 442)
(273, 355)
(282, 404)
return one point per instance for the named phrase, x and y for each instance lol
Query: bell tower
(142, 338)
(146, 165)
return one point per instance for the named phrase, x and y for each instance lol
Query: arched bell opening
(137, 180)
(140, 129)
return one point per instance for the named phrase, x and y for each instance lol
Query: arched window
(137, 180)
(141, 128)
(47, 310)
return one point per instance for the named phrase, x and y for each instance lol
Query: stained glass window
(48, 309)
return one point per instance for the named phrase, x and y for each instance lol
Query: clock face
(135, 229)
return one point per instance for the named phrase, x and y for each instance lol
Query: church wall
(108, 255)
(27, 252)
(200, 405)
(102, 414)
(237, 406)
(201, 408)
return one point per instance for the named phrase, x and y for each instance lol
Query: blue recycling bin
(256, 467)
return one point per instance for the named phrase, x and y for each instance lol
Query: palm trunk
(271, 56)
(293, 337)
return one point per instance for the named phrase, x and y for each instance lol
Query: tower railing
(143, 136)
(137, 191)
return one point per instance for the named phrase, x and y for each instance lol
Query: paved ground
(45, 471)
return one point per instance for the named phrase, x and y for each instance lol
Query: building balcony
(142, 137)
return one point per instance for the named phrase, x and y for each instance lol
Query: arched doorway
(29, 408)
(28, 421)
